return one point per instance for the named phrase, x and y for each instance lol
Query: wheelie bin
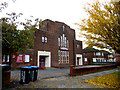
(34, 72)
(25, 75)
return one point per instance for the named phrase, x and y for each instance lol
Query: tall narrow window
(67, 43)
(58, 41)
(45, 39)
(42, 39)
(4, 58)
(59, 56)
(61, 41)
(63, 56)
(78, 46)
(67, 57)
(102, 54)
(63, 27)
(8, 58)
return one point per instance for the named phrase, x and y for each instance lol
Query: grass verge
(110, 80)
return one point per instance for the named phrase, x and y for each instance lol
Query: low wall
(82, 70)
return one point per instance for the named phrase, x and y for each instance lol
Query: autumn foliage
(102, 28)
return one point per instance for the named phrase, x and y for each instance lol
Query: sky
(67, 11)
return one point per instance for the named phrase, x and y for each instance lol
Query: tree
(15, 40)
(102, 28)
(4, 5)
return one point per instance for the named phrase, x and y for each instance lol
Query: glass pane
(58, 41)
(42, 39)
(45, 39)
(65, 41)
(61, 40)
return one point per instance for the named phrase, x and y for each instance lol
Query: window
(61, 41)
(45, 39)
(63, 27)
(8, 58)
(59, 55)
(85, 59)
(4, 58)
(98, 53)
(98, 60)
(42, 39)
(63, 57)
(78, 46)
(110, 55)
(67, 43)
(102, 54)
(58, 41)
(67, 57)
(95, 60)
(27, 58)
(114, 59)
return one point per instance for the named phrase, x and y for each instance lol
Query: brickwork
(53, 31)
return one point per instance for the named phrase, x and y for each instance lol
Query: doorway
(79, 59)
(42, 61)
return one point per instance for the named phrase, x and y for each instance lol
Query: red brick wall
(53, 30)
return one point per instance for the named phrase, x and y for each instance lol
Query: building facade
(98, 56)
(56, 45)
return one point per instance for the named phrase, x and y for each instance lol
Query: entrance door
(42, 61)
(77, 60)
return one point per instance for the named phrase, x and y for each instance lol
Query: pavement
(58, 78)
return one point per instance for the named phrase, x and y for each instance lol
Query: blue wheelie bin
(25, 75)
(34, 72)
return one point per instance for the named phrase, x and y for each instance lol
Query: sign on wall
(13, 56)
(27, 58)
(19, 58)
(63, 48)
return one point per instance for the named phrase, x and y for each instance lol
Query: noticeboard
(27, 58)
(19, 59)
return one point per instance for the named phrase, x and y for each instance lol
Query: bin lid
(26, 67)
(4, 65)
(33, 66)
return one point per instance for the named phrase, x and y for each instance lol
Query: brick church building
(55, 45)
